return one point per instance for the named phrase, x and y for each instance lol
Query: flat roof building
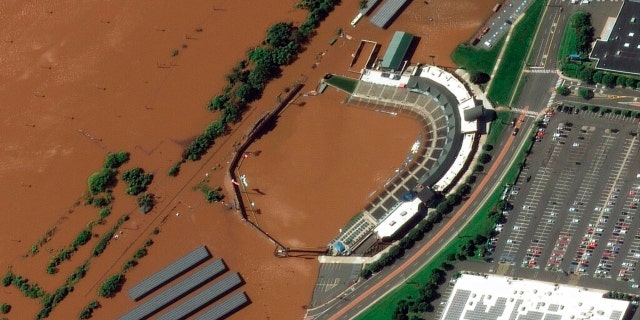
(397, 50)
(493, 297)
(398, 218)
(620, 51)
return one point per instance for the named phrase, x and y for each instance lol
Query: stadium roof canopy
(620, 52)
(397, 50)
(398, 218)
(494, 297)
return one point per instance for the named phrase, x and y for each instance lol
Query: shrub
(140, 253)
(111, 286)
(115, 160)
(105, 212)
(83, 237)
(146, 201)
(99, 181)
(585, 93)
(175, 169)
(137, 180)
(87, 312)
(7, 279)
(563, 90)
(5, 308)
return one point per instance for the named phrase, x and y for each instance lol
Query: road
(368, 292)
(538, 92)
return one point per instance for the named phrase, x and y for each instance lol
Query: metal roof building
(227, 306)
(204, 298)
(169, 273)
(176, 292)
(620, 51)
(387, 12)
(397, 50)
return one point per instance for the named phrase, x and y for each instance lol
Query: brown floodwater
(82, 79)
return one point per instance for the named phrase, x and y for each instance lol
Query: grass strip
(477, 59)
(514, 57)
(569, 40)
(342, 83)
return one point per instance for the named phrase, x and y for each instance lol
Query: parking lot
(572, 210)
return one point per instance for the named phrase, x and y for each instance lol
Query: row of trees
(581, 22)
(586, 73)
(114, 283)
(247, 80)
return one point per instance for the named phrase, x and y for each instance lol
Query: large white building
(494, 297)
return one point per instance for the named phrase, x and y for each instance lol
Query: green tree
(137, 180)
(597, 76)
(585, 93)
(279, 34)
(363, 4)
(480, 77)
(111, 286)
(586, 75)
(608, 79)
(563, 90)
(115, 160)
(630, 82)
(146, 201)
(99, 181)
(5, 308)
(484, 158)
(621, 81)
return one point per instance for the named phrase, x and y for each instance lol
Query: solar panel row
(227, 306)
(177, 291)
(169, 273)
(205, 297)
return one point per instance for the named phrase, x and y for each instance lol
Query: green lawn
(569, 40)
(514, 56)
(342, 83)
(476, 60)
(479, 224)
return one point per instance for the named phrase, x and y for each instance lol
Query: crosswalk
(538, 70)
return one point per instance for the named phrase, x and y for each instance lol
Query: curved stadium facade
(449, 115)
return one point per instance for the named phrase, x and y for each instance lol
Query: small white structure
(403, 213)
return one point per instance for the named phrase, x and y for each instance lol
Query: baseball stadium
(451, 119)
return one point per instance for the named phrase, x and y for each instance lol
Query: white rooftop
(397, 218)
(494, 297)
(458, 163)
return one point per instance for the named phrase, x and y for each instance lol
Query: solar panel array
(177, 291)
(205, 297)
(169, 273)
(388, 10)
(227, 306)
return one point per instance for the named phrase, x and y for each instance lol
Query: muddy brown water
(80, 80)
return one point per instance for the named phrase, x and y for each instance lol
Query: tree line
(247, 80)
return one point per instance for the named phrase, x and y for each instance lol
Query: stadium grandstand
(492, 297)
(450, 117)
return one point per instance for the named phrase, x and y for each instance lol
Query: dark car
(515, 131)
